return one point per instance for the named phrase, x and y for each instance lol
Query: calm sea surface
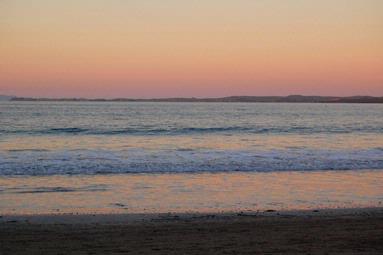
(69, 157)
(50, 138)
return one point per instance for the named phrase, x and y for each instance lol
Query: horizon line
(185, 97)
(229, 99)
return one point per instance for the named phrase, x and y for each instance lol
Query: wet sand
(188, 192)
(348, 231)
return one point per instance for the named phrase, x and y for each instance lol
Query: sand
(349, 231)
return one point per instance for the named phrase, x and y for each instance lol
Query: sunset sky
(211, 48)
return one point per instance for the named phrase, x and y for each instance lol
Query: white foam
(147, 161)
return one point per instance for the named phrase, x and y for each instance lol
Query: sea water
(102, 157)
(50, 138)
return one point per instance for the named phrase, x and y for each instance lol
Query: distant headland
(230, 99)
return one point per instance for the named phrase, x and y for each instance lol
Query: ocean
(130, 157)
(55, 138)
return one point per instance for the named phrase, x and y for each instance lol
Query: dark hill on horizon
(230, 99)
(6, 98)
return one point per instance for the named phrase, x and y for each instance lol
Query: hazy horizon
(186, 97)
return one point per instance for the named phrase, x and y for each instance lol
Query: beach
(190, 178)
(340, 231)
(191, 127)
(190, 192)
(323, 212)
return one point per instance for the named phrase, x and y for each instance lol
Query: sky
(173, 48)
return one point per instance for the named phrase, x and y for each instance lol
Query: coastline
(351, 231)
(228, 99)
(134, 218)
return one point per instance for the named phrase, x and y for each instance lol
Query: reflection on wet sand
(206, 192)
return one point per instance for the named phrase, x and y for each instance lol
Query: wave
(181, 161)
(193, 130)
(31, 190)
(128, 131)
(69, 130)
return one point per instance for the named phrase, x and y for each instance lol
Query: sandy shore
(347, 231)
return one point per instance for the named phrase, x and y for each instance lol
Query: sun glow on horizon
(205, 49)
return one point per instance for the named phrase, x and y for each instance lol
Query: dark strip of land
(355, 233)
(232, 99)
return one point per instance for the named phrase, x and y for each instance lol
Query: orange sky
(167, 48)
